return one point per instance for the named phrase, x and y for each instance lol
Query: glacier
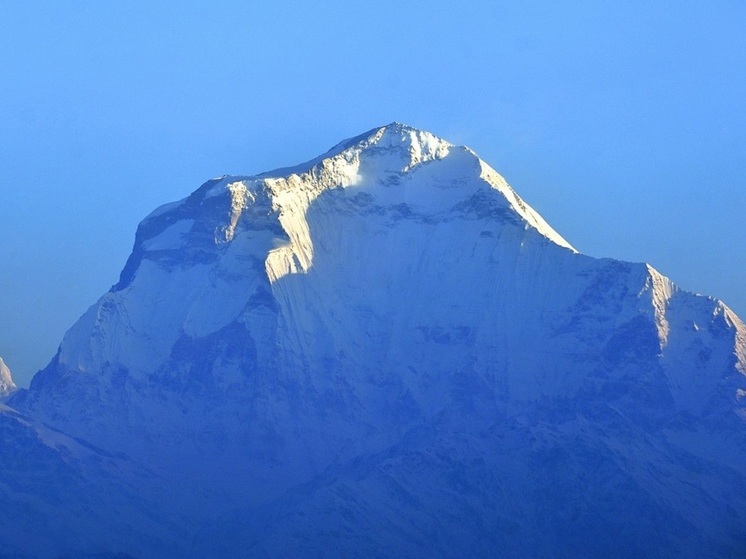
(383, 352)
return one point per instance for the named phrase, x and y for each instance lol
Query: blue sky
(622, 123)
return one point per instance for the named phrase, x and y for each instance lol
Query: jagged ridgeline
(383, 352)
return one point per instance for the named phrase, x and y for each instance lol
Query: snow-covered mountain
(386, 352)
(6, 380)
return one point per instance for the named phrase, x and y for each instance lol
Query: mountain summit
(6, 380)
(382, 352)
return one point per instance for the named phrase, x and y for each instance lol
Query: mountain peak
(422, 145)
(395, 168)
(387, 329)
(6, 380)
(393, 154)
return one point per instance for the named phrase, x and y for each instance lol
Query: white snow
(6, 380)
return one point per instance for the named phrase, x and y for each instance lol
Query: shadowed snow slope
(383, 352)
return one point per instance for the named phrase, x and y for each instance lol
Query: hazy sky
(622, 123)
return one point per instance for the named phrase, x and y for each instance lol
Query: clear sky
(622, 123)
